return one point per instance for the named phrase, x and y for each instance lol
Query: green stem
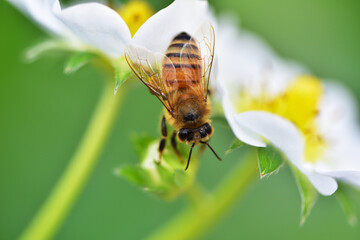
(193, 222)
(51, 215)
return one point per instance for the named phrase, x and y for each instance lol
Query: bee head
(202, 133)
(197, 135)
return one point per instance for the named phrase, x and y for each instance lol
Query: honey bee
(180, 80)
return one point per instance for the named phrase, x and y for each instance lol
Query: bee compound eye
(208, 128)
(190, 135)
(183, 133)
(202, 132)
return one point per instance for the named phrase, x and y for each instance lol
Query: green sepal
(135, 175)
(122, 73)
(270, 160)
(307, 192)
(181, 179)
(78, 60)
(342, 194)
(46, 46)
(235, 145)
(141, 143)
(166, 180)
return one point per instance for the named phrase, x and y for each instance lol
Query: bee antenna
(217, 156)
(188, 161)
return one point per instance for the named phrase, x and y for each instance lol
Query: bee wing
(191, 66)
(205, 39)
(147, 66)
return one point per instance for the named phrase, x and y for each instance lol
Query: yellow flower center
(299, 104)
(135, 13)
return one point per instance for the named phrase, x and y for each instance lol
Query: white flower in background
(268, 100)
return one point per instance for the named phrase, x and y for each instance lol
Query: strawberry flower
(268, 100)
(99, 29)
(88, 29)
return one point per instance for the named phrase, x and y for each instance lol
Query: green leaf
(78, 60)
(270, 159)
(235, 145)
(343, 196)
(307, 192)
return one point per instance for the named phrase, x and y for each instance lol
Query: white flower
(266, 99)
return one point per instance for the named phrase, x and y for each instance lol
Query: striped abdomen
(182, 67)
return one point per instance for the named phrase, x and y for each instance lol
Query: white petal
(279, 131)
(352, 177)
(324, 184)
(285, 136)
(241, 132)
(43, 12)
(98, 26)
(338, 110)
(339, 127)
(180, 16)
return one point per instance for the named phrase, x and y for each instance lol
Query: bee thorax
(189, 110)
(190, 113)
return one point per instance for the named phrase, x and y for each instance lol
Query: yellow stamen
(301, 100)
(299, 104)
(135, 13)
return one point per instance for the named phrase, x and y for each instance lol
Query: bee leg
(162, 143)
(188, 161)
(174, 146)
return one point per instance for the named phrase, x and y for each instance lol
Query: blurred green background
(43, 114)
